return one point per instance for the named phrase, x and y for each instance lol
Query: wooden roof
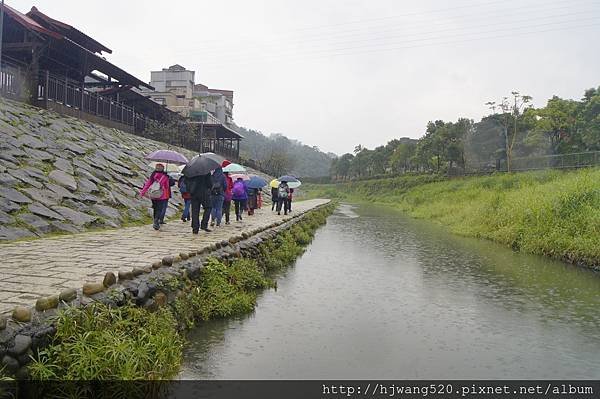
(67, 30)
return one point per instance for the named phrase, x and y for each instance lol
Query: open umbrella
(234, 168)
(200, 165)
(167, 156)
(291, 184)
(235, 176)
(287, 178)
(256, 182)
(214, 156)
(169, 167)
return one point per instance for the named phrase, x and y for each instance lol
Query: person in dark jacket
(283, 191)
(217, 196)
(187, 200)
(199, 187)
(274, 198)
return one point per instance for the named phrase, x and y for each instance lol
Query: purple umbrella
(167, 156)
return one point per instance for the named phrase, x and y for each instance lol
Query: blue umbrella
(288, 178)
(256, 182)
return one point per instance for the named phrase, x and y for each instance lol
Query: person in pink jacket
(159, 194)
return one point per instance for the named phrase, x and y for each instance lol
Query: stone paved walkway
(30, 269)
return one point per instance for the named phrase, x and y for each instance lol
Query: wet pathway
(30, 269)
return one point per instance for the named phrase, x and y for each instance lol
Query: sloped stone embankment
(65, 175)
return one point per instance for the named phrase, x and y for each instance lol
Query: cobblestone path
(30, 269)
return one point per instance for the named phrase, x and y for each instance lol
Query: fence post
(46, 86)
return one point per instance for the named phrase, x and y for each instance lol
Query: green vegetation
(101, 342)
(551, 213)
(513, 130)
(222, 291)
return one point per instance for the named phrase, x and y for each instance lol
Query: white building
(174, 88)
(217, 102)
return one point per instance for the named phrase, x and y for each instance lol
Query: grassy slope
(552, 213)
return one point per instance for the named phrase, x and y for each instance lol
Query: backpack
(155, 191)
(217, 188)
(282, 192)
(238, 189)
(182, 187)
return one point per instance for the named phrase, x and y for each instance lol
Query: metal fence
(12, 80)
(69, 94)
(558, 161)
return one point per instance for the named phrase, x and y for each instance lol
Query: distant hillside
(277, 153)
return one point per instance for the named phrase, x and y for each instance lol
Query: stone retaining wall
(65, 175)
(150, 287)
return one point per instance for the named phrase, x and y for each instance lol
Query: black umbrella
(200, 165)
(213, 156)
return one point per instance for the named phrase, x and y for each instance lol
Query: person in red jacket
(228, 195)
(159, 195)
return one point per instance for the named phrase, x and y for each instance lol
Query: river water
(379, 295)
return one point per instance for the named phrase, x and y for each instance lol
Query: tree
(511, 112)
(402, 157)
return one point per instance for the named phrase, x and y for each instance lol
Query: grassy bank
(552, 213)
(114, 343)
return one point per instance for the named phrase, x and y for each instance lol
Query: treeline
(276, 154)
(514, 129)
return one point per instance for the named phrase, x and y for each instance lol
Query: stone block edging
(31, 329)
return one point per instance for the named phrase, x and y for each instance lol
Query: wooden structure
(218, 138)
(55, 66)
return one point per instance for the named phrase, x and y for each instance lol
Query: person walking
(217, 195)
(274, 198)
(252, 200)
(259, 199)
(283, 192)
(199, 188)
(158, 189)
(288, 202)
(227, 197)
(187, 199)
(163, 212)
(240, 196)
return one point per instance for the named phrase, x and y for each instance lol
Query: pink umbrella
(167, 156)
(236, 176)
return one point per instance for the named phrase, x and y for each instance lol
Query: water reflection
(379, 295)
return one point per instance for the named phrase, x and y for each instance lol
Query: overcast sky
(340, 73)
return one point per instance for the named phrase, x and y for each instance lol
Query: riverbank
(134, 330)
(550, 213)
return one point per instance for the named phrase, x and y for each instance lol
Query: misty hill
(278, 154)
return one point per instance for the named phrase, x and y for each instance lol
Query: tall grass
(105, 343)
(553, 213)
